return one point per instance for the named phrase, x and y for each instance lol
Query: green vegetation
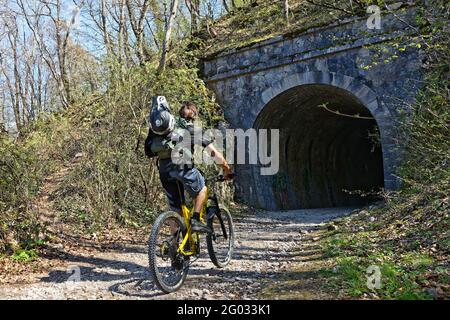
(25, 255)
(23, 166)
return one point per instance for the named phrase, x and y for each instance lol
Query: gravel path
(267, 246)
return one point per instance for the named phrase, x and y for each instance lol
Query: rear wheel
(168, 268)
(221, 241)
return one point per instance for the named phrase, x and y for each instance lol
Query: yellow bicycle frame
(189, 237)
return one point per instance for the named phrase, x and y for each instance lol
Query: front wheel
(168, 268)
(221, 241)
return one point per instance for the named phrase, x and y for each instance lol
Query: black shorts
(176, 180)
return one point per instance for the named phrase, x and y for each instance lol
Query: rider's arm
(211, 149)
(220, 159)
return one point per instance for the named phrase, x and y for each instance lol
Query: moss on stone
(250, 25)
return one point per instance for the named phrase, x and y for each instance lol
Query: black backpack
(148, 144)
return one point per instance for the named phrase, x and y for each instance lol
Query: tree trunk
(137, 25)
(121, 36)
(225, 5)
(106, 38)
(286, 10)
(194, 10)
(2, 119)
(15, 93)
(61, 46)
(167, 36)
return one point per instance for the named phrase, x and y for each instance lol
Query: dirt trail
(272, 249)
(44, 203)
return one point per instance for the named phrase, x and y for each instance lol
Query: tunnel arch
(324, 157)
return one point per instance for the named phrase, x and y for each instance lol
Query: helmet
(161, 120)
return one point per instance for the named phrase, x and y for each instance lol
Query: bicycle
(169, 257)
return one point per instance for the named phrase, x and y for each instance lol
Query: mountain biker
(176, 178)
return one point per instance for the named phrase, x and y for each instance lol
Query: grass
(395, 282)
(23, 255)
(412, 261)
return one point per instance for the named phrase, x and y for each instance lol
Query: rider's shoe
(200, 227)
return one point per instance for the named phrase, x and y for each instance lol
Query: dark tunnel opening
(326, 159)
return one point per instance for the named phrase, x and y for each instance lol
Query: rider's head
(188, 111)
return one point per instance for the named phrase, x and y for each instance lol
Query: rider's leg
(175, 196)
(194, 183)
(200, 200)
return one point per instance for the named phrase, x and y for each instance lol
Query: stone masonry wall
(346, 55)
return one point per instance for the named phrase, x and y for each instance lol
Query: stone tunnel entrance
(326, 159)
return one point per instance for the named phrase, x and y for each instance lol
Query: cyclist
(176, 178)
